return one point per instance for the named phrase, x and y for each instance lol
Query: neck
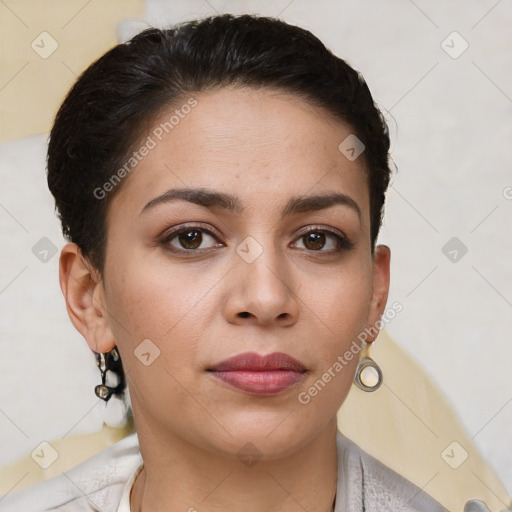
(177, 477)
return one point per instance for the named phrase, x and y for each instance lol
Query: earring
(368, 376)
(108, 361)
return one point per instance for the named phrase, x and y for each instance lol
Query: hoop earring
(368, 376)
(107, 361)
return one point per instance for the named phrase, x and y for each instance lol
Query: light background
(450, 121)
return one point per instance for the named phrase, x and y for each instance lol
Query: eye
(190, 239)
(193, 239)
(317, 239)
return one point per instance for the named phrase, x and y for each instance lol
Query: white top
(124, 503)
(104, 482)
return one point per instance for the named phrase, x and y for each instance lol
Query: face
(249, 266)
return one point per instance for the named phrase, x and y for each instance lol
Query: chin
(270, 434)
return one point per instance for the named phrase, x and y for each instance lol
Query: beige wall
(33, 82)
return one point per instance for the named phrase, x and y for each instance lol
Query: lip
(259, 374)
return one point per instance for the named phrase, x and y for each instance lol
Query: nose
(261, 292)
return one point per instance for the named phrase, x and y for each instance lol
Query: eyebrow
(212, 199)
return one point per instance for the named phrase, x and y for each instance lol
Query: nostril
(244, 314)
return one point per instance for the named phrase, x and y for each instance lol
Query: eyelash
(342, 242)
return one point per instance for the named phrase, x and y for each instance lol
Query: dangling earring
(368, 376)
(108, 361)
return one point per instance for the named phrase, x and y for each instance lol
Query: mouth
(255, 374)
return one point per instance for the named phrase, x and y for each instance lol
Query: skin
(264, 147)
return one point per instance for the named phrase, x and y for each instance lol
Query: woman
(222, 185)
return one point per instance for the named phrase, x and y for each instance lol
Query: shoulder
(366, 484)
(95, 484)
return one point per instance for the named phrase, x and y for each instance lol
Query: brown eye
(314, 241)
(324, 241)
(190, 239)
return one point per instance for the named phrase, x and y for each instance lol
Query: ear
(85, 299)
(381, 261)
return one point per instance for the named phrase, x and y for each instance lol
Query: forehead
(258, 144)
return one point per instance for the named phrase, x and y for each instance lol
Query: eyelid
(168, 235)
(191, 225)
(319, 227)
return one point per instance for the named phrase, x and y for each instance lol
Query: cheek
(345, 311)
(343, 302)
(153, 320)
(163, 305)
(343, 308)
